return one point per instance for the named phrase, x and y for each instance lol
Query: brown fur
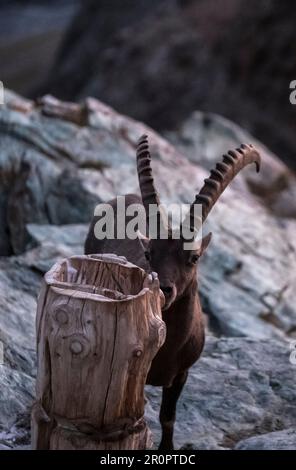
(182, 312)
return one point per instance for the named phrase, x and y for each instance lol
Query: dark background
(159, 60)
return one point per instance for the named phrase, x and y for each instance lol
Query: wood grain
(98, 328)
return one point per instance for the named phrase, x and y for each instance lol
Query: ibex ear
(144, 241)
(141, 236)
(205, 243)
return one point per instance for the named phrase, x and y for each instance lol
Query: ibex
(177, 273)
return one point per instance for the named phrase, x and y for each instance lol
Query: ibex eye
(194, 259)
(147, 255)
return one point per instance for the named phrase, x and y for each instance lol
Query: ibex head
(176, 266)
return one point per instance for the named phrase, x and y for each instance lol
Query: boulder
(19, 287)
(278, 440)
(57, 161)
(17, 392)
(241, 387)
(229, 56)
(72, 164)
(203, 136)
(53, 243)
(247, 278)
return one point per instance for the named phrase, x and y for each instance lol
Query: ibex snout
(170, 293)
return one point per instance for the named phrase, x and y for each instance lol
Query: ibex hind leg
(167, 415)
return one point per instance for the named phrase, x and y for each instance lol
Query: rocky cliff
(234, 57)
(57, 161)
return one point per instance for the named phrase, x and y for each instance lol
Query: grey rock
(251, 257)
(278, 440)
(203, 136)
(79, 166)
(26, 203)
(5, 245)
(71, 235)
(19, 287)
(16, 392)
(178, 56)
(243, 386)
(68, 202)
(53, 244)
(239, 388)
(55, 171)
(250, 260)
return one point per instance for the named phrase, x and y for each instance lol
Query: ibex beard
(175, 263)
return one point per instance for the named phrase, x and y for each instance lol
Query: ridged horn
(146, 181)
(220, 177)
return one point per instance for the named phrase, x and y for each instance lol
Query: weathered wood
(98, 328)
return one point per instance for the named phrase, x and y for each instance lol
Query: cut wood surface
(98, 328)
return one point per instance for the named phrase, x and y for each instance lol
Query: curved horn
(146, 181)
(233, 162)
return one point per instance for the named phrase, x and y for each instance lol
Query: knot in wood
(138, 352)
(76, 347)
(61, 317)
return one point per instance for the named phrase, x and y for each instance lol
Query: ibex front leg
(167, 415)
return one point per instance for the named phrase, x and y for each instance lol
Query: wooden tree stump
(98, 328)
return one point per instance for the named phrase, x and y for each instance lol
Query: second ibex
(177, 272)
